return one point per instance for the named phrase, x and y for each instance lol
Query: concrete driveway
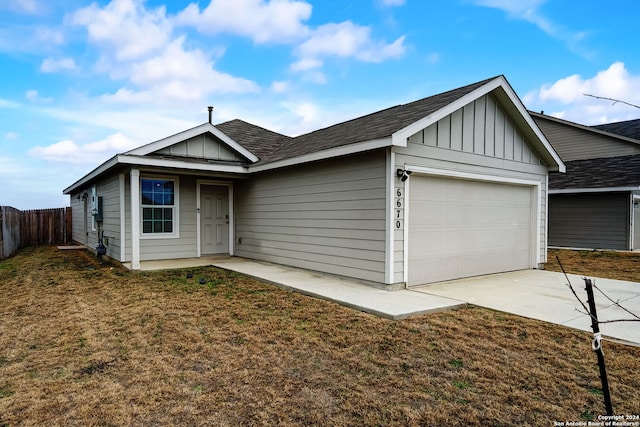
(544, 295)
(536, 294)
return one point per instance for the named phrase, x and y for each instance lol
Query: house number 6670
(399, 209)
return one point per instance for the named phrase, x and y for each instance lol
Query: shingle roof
(628, 128)
(381, 124)
(623, 171)
(258, 140)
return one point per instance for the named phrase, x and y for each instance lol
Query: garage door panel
(461, 228)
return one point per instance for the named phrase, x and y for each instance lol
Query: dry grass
(606, 264)
(85, 344)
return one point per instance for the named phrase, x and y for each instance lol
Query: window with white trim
(159, 206)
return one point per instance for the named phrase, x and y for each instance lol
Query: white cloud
(566, 98)
(344, 40)
(392, 2)
(51, 65)
(178, 75)
(261, 20)
(67, 151)
(306, 64)
(279, 87)
(34, 96)
(529, 11)
(5, 103)
(124, 28)
(137, 46)
(28, 7)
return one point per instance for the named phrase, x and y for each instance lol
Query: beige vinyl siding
(572, 143)
(109, 190)
(479, 139)
(184, 246)
(328, 216)
(590, 220)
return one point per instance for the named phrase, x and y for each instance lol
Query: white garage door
(462, 228)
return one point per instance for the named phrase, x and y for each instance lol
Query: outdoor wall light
(403, 174)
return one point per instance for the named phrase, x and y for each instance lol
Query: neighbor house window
(158, 206)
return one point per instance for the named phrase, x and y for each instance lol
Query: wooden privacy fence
(36, 227)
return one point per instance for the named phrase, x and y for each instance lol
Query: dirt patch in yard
(89, 344)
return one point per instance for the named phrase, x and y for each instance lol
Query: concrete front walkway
(389, 304)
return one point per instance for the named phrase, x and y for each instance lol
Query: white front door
(214, 220)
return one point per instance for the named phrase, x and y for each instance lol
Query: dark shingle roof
(258, 140)
(381, 124)
(271, 146)
(623, 171)
(628, 128)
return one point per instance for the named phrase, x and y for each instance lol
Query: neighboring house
(449, 186)
(628, 128)
(596, 204)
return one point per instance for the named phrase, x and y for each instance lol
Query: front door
(214, 220)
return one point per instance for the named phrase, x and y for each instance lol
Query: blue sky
(84, 80)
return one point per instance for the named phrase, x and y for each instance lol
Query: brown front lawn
(89, 344)
(606, 264)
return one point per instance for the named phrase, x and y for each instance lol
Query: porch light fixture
(403, 174)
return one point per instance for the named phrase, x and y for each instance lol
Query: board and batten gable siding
(204, 146)
(572, 143)
(325, 216)
(590, 220)
(480, 139)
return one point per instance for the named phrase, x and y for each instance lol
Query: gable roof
(256, 139)
(378, 125)
(574, 141)
(265, 149)
(394, 125)
(628, 128)
(190, 133)
(611, 173)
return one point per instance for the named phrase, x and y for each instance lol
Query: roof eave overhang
(190, 133)
(344, 150)
(594, 190)
(142, 161)
(400, 137)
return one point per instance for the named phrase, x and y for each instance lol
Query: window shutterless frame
(159, 207)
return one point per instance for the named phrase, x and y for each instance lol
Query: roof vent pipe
(210, 108)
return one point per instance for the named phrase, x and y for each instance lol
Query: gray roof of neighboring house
(610, 172)
(628, 128)
(381, 124)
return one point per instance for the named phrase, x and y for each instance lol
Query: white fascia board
(532, 124)
(191, 133)
(593, 190)
(400, 137)
(132, 160)
(325, 154)
(91, 175)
